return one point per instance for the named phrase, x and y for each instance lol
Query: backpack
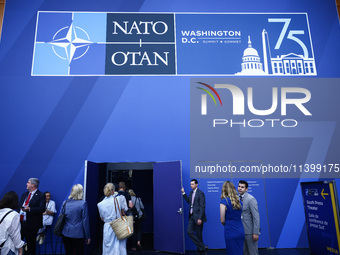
(129, 211)
(134, 210)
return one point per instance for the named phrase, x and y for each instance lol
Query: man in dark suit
(197, 217)
(32, 205)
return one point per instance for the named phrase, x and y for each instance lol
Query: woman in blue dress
(108, 213)
(230, 212)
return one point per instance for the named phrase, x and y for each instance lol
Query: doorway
(139, 178)
(158, 184)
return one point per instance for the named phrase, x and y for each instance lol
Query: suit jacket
(76, 219)
(198, 206)
(250, 215)
(37, 204)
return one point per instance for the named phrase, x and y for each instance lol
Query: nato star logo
(72, 46)
(69, 43)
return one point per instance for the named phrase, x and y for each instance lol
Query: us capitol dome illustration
(284, 64)
(251, 62)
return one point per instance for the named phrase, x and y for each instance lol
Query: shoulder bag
(123, 225)
(59, 225)
(143, 216)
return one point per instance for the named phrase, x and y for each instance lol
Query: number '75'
(290, 35)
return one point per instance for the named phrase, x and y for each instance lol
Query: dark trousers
(194, 231)
(30, 236)
(74, 246)
(137, 232)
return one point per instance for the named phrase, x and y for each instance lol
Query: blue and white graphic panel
(245, 44)
(81, 44)
(227, 44)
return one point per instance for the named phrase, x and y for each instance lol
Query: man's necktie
(192, 202)
(241, 198)
(26, 204)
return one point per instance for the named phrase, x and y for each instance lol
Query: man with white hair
(32, 205)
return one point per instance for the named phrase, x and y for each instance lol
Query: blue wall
(51, 125)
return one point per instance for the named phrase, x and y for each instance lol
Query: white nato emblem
(73, 46)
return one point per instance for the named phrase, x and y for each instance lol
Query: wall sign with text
(230, 44)
(322, 216)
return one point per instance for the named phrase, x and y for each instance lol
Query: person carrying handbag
(108, 213)
(138, 220)
(76, 230)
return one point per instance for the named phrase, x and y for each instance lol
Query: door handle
(180, 211)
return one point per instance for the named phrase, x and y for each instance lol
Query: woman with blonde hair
(77, 227)
(230, 216)
(108, 212)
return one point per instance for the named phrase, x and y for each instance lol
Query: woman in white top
(47, 217)
(10, 227)
(111, 245)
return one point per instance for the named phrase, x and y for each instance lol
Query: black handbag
(59, 225)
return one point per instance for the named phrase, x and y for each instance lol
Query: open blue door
(91, 177)
(168, 207)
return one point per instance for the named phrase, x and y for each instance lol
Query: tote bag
(123, 225)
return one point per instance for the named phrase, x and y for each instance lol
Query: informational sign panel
(322, 216)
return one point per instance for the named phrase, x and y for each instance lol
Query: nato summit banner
(85, 43)
(321, 205)
(104, 44)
